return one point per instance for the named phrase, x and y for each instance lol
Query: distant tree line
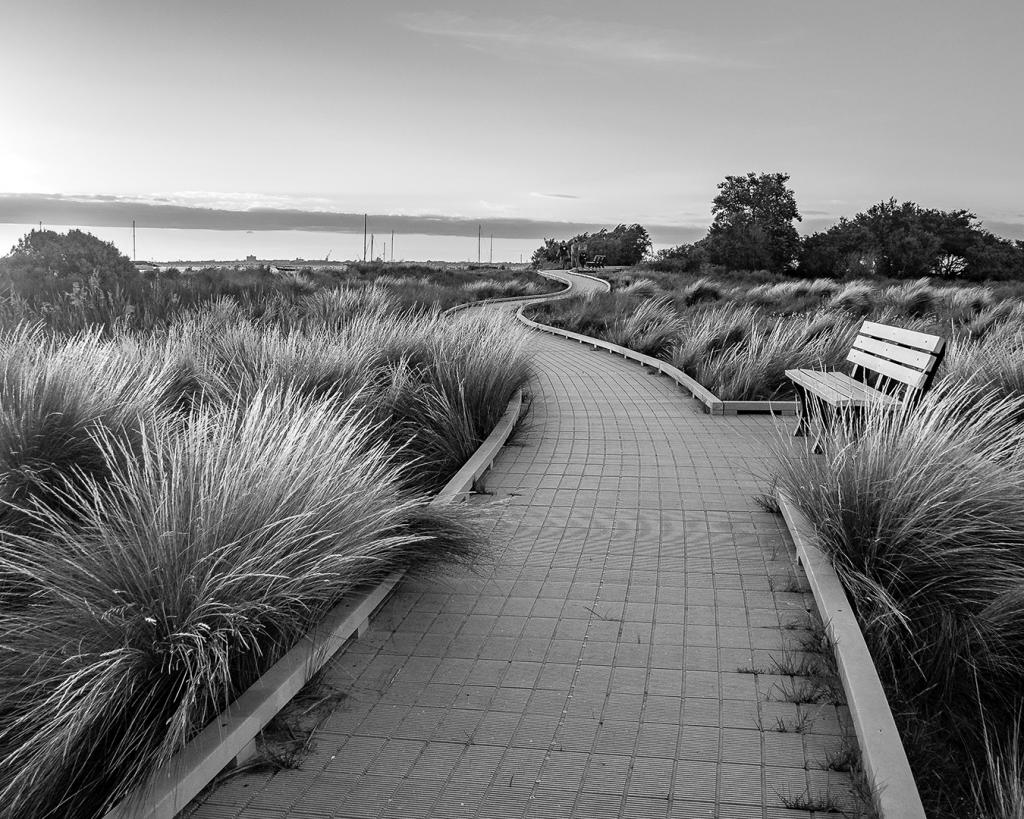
(625, 245)
(753, 229)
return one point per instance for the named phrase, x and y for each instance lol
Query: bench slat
(912, 378)
(821, 387)
(916, 359)
(839, 389)
(908, 338)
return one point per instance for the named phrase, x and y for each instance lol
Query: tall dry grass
(179, 506)
(740, 353)
(651, 327)
(922, 513)
(174, 582)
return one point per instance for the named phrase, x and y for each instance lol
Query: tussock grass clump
(704, 289)
(856, 297)
(188, 572)
(962, 304)
(980, 324)
(740, 353)
(54, 401)
(333, 309)
(179, 506)
(922, 513)
(642, 288)
(791, 296)
(450, 380)
(995, 365)
(651, 327)
(914, 298)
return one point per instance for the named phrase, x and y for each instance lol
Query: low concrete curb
(713, 404)
(536, 297)
(231, 738)
(893, 788)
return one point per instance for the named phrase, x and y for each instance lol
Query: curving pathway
(603, 665)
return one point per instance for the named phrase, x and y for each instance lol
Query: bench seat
(839, 389)
(902, 362)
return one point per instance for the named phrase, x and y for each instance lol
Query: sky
(531, 119)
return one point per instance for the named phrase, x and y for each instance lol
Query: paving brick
(592, 668)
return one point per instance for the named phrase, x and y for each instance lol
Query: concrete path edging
(538, 297)
(893, 789)
(713, 404)
(231, 737)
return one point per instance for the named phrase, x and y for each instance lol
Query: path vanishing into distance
(602, 663)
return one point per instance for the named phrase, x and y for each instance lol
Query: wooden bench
(901, 363)
(597, 261)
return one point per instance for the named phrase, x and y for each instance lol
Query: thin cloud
(616, 43)
(114, 211)
(554, 195)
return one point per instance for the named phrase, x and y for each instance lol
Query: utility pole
(371, 247)
(479, 231)
(392, 245)
(490, 258)
(384, 255)
(133, 240)
(364, 237)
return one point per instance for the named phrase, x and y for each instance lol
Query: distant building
(250, 258)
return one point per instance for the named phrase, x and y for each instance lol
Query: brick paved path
(602, 665)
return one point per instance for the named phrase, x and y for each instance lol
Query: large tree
(753, 223)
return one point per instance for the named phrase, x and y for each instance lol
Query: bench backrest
(893, 354)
